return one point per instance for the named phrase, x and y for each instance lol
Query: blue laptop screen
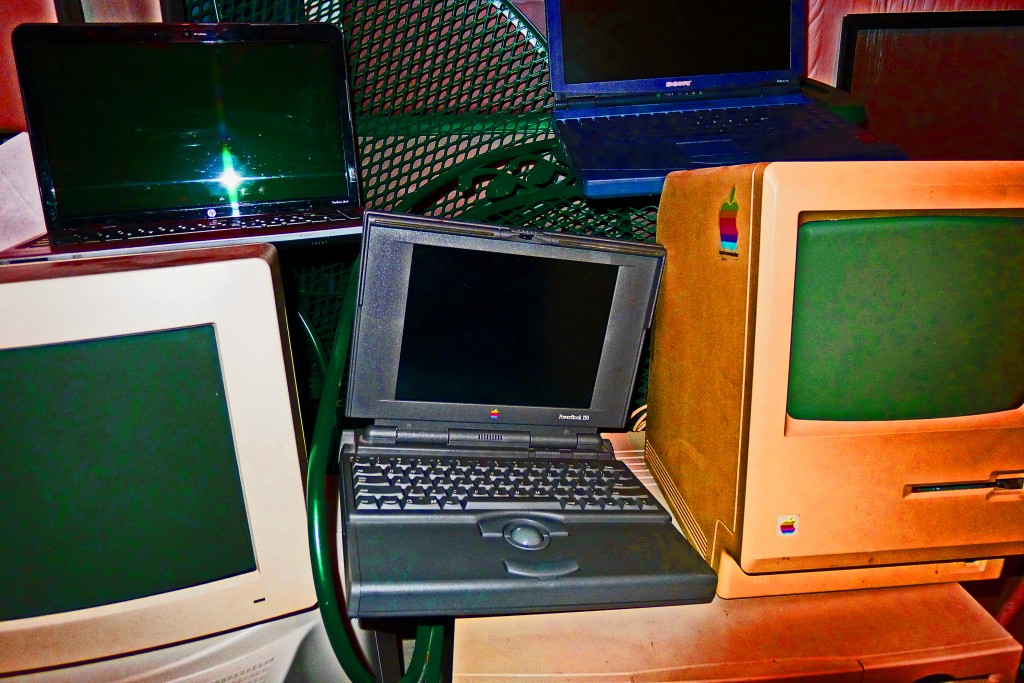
(661, 44)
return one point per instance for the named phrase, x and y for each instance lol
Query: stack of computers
(836, 394)
(153, 516)
(836, 391)
(836, 402)
(835, 417)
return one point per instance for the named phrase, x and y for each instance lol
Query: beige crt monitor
(153, 464)
(837, 374)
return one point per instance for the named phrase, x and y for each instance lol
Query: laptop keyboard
(705, 123)
(201, 225)
(383, 484)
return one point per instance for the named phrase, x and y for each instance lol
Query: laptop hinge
(776, 89)
(595, 101)
(491, 438)
(575, 102)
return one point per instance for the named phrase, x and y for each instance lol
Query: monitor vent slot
(257, 673)
(686, 519)
(489, 436)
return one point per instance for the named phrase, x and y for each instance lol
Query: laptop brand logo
(678, 84)
(582, 418)
(494, 413)
(728, 232)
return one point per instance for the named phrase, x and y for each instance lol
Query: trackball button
(524, 536)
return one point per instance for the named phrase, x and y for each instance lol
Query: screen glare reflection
(230, 178)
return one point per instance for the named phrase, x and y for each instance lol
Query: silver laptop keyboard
(484, 484)
(723, 122)
(201, 225)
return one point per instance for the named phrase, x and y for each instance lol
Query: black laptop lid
(611, 47)
(131, 123)
(461, 323)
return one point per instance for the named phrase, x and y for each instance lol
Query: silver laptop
(158, 136)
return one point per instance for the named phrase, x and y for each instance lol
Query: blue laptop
(643, 89)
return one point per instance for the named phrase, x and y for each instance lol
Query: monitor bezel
(29, 37)
(680, 84)
(237, 290)
(854, 24)
(826, 189)
(384, 280)
(1009, 417)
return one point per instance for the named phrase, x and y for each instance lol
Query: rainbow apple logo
(788, 525)
(494, 413)
(727, 222)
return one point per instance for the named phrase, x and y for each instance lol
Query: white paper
(21, 211)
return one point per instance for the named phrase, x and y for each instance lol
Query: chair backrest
(452, 104)
(411, 62)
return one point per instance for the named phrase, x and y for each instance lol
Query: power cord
(425, 663)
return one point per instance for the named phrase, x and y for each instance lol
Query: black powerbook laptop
(643, 89)
(156, 136)
(489, 358)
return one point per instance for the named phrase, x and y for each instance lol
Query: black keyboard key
(422, 503)
(371, 479)
(480, 504)
(390, 502)
(366, 502)
(377, 490)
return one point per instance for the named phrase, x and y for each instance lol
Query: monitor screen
(462, 322)
(133, 433)
(935, 83)
(907, 318)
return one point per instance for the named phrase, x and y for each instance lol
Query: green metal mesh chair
(451, 100)
(452, 103)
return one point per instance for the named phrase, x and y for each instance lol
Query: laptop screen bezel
(677, 83)
(380, 316)
(29, 37)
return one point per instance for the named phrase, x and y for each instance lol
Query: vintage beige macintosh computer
(837, 375)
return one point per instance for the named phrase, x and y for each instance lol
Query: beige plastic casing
(887, 635)
(734, 467)
(237, 290)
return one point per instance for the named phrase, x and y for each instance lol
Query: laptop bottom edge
(452, 569)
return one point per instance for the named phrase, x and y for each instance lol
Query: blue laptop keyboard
(731, 122)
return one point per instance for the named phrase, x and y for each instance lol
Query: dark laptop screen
(472, 317)
(602, 41)
(127, 124)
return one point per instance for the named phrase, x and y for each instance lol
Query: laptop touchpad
(716, 151)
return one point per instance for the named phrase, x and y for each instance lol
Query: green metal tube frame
(425, 665)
